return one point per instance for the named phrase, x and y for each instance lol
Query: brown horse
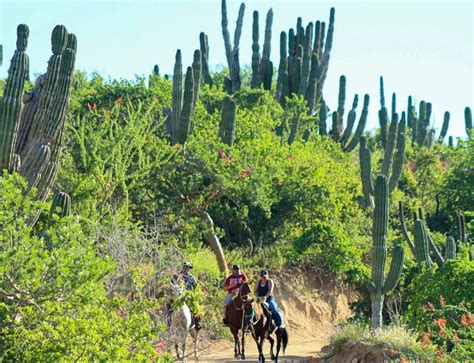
(262, 327)
(239, 314)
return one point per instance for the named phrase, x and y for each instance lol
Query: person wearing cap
(264, 290)
(190, 282)
(232, 285)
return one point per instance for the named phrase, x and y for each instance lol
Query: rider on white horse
(190, 284)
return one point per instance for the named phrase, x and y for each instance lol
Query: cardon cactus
(204, 47)
(421, 246)
(303, 69)
(392, 163)
(179, 123)
(32, 140)
(233, 80)
(262, 67)
(468, 121)
(450, 249)
(343, 133)
(61, 204)
(444, 128)
(227, 124)
(1, 55)
(379, 285)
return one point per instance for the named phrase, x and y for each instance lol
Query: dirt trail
(312, 304)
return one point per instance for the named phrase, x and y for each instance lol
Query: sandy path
(224, 351)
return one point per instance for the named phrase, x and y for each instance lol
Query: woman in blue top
(264, 290)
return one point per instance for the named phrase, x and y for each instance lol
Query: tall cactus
(379, 285)
(233, 80)
(1, 55)
(468, 121)
(180, 121)
(61, 203)
(303, 69)
(392, 163)
(383, 115)
(341, 133)
(262, 67)
(11, 101)
(32, 140)
(204, 47)
(444, 128)
(421, 245)
(228, 123)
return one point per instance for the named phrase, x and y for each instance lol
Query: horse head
(244, 292)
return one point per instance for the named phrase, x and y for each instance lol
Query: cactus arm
(390, 148)
(265, 66)
(62, 203)
(351, 117)
(396, 268)
(394, 104)
(397, 167)
(225, 32)
(383, 126)
(421, 245)
(177, 96)
(366, 167)
(409, 112)
(382, 93)
(404, 229)
(323, 114)
(335, 126)
(341, 99)
(437, 255)
(204, 47)
(256, 62)
(360, 126)
(450, 249)
(330, 34)
(468, 121)
(228, 123)
(11, 101)
(184, 126)
(197, 73)
(444, 128)
(282, 67)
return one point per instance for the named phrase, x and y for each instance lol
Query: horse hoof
(242, 357)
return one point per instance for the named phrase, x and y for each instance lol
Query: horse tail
(284, 338)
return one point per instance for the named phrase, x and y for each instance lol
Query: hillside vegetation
(108, 186)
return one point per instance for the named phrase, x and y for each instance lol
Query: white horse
(181, 325)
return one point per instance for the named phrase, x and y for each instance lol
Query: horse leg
(278, 345)
(183, 345)
(176, 345)
(196, 342)
(272, 341)
(236, 343)
(243, 344)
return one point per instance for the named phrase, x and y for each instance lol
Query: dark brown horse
(262, 327)
(239, 314)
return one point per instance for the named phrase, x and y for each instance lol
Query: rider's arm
(227, 284)
(270, 288)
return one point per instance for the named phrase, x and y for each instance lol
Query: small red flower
(89, 107)
(94, 106)
(119, 101)
(466, 320)
(120, 313)
(425, 339)
(431, 306)
(221, 154)
(441, 322)
(455, 338)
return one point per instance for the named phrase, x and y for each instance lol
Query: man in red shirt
(232, 285)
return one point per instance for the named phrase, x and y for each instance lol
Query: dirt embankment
(312, 303)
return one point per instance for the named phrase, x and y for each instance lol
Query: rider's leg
(227, 301)
(275, 312)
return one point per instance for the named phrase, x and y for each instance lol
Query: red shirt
(234, 282)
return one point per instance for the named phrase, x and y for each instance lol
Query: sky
(423, 48)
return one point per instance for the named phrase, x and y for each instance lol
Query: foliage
(440, 306)
(396, 339)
